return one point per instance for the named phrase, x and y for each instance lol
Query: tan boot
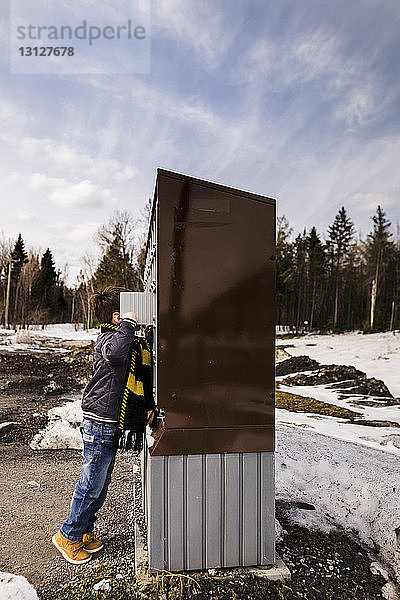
(92, 544)
(73, 552)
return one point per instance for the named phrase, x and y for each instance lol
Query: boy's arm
(116, 349)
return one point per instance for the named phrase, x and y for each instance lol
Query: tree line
(33, 291)
(337, 284)
(342, 283)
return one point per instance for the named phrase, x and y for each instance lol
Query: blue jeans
(99, 450)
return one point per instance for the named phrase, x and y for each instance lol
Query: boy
(115, 404)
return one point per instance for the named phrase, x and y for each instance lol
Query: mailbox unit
(208, 479)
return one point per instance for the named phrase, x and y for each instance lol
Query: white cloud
(83, 193)
(66, 193)
(316, 54)
(369, 201)
(39, 181)
(199, 25)
(81, 233)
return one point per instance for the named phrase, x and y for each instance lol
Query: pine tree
(19, 257)
(316, 268)
(284, 271)
(380, 252)
(45, 286)
(115, 269)
(340, 236)
(300, 278)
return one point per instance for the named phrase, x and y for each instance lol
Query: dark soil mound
(327, 566)
(375, 423)
(342, 377)
(370, 387)
(22, 432)
(296, 364)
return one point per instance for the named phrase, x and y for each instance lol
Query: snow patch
(353, 488)
(16, 587)
(103, 585)
(22, 337)
(62, 431)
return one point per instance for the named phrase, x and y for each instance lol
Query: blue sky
(294, 99)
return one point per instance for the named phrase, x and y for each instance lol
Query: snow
(62, 431)
(65, 331)
(383, 438)
(38, 340)
(103, 585)
(16, 587)
(377, 354)
(353, 487)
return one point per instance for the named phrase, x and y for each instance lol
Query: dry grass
(297, 403)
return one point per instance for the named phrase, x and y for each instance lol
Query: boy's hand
(130, 315)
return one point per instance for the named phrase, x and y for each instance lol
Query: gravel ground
(35, 492)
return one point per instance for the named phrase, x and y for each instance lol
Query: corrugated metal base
(210, 510)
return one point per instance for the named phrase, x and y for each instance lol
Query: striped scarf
(137, 394)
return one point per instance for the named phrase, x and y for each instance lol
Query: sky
(293, 99)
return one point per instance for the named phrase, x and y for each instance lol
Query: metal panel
(156, 514)
(212, 483)
(267, 512)
(250, 515)
(141, 303)
(211, 510)
(232, 510)
(176, 517)
(194, 502)
(215, 279)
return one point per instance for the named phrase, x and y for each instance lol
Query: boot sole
(65, 555)
(96, 550)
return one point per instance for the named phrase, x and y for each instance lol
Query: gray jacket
(101, 397)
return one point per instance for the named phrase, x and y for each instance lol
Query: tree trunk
(7, 295)
(373, 300)
(312, 305)
(336, 301)
(73, 307)
(392, 316)
(374, 290)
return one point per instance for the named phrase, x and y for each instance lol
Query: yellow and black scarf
(137, 394)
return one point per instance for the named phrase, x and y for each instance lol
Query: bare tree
(5, 254)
